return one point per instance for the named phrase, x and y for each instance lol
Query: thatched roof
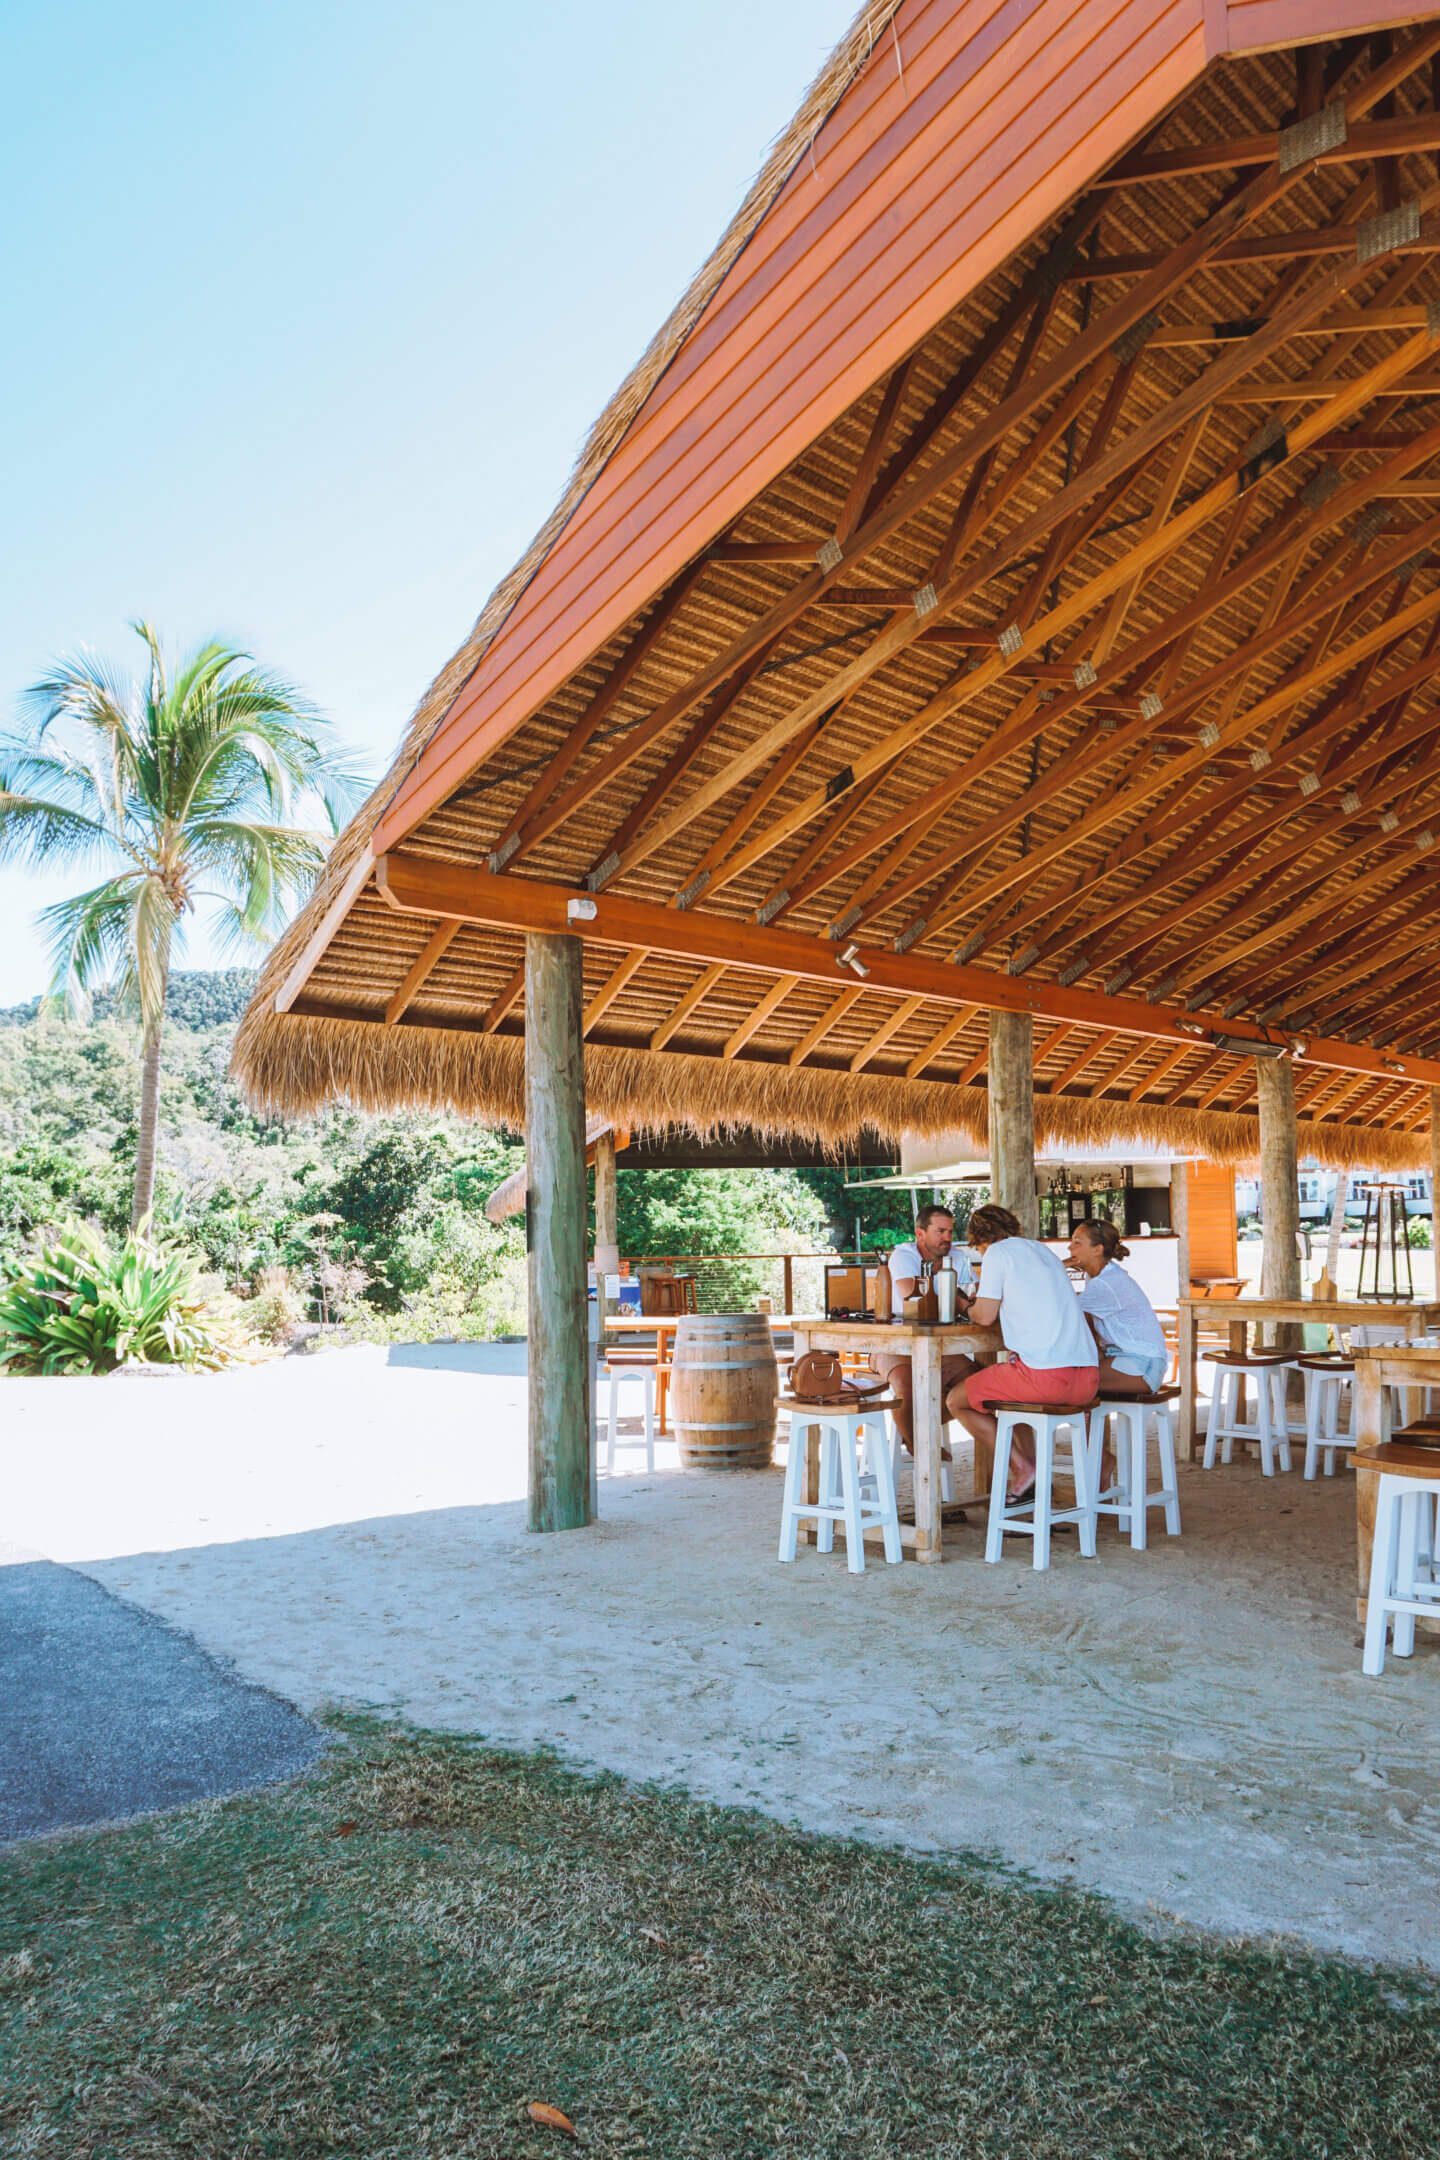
(1039, 863)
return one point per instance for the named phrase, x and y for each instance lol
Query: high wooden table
(1403, 1365)
(1240, 1313)
(924, 1346)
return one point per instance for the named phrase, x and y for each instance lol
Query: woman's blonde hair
(1106, 1236)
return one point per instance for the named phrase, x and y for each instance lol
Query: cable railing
(735, 1282)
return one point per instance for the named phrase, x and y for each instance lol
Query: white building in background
(1317, 1192)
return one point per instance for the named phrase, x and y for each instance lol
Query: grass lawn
(395, 1956)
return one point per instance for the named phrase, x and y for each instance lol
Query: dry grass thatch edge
(295, 1065)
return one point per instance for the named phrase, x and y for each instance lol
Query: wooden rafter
(755, 1019)
(699, 990)
(955, 1025)
(505, 1001)
(436, 946)
(890, 1026)
(611, 988)
(833, 1014)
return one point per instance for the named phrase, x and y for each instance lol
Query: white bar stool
(1131, 1496)
(1325, 1382)
(897, 1456)
(1035, 1516)
(1269, 1430)
(1403, 1583)
(619, 1376)
(857, 1486)
(1393, 1408)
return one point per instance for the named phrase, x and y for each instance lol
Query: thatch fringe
(293, 1065)
(794, 144)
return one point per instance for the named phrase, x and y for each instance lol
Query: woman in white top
(1052, 1356)
(1134, 1356)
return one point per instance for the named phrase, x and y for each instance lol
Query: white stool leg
(885, 1493)
(829, 1487)
(794, 1490)
(1402, 1628)
(1085, 1489)
(1265, 1421)
(1315, 1385)
(999, 1479)
(1044, 1473)
(613, 1423)
(1384, 1555)
(1169, 1475)
(648, 1383)
(1138, 1453)
(847, 1445)
(1280, 1376)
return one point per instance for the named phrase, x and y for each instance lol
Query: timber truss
(1088, 664)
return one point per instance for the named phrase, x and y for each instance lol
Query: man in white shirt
(934, 1238)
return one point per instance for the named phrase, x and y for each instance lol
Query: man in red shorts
(1052, 1354)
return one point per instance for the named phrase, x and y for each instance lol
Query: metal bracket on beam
(830, 554)
(1259, 758)
(1151, 706)
(926, 600)
(839, 782)
(1388, 821)
(770, 908)
(909, 934)
(1350, 802)
(501, 855)
(844, 922)
(968, 950)
(693, 890)
(1116, 982)
(1085, 675)
(1161, 990)
(1026, 957)
(1397, 228)
(1309, 783)
(603, 872)
(1312, 136)
(1266, 449)
(1072, 971)
(1010, 640)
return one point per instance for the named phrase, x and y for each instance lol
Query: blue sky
(310, 307)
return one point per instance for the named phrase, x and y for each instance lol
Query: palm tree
(189, 788)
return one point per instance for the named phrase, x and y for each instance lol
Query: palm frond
(90, 936)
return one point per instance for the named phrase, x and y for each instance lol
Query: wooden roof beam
(1375, 138)
(1162, 1072)
(436, 946)
(755, 1019)
(697, 993)
(955, 1025)
(1077, 1065)
(833, 1014)
(1090, 349)
(903, 1013)
(426, 885)
(504, 1002)
(611, 988)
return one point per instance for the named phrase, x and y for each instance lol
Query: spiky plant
(213, 786)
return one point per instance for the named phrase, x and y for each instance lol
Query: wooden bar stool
(1403, 1583)
(855, 1489)
(1131, 1496)
(1269, 1430)
(1036, 1515)
(619, 1373)
(1325, 1381)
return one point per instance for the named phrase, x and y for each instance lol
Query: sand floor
(1186, 1729)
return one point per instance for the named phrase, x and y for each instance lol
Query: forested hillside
(376, 1220)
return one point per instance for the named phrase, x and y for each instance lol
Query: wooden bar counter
(1239, 1313)
(925, 1347)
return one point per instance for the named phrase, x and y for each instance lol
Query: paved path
(106, 1712)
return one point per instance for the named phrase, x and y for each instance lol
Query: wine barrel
(723, 1390)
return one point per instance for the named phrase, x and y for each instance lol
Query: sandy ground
(1186, 1729)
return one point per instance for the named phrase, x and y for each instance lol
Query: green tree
(189, 789)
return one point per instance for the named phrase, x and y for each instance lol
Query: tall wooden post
(1435, 1187)
(1011, 1082)
(1180, 1224)
(1279, 1190)
(607, 1214)
(555, 1157)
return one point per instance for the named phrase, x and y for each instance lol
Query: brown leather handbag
(818, 1377)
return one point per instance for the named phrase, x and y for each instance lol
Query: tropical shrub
(79, 1307)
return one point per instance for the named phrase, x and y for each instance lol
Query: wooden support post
(607, 1233)
(1012, 1118)
(1180, 1224)
(555, 1153)
(1279, 1190)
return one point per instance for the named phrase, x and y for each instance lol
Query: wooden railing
(731, 1282)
